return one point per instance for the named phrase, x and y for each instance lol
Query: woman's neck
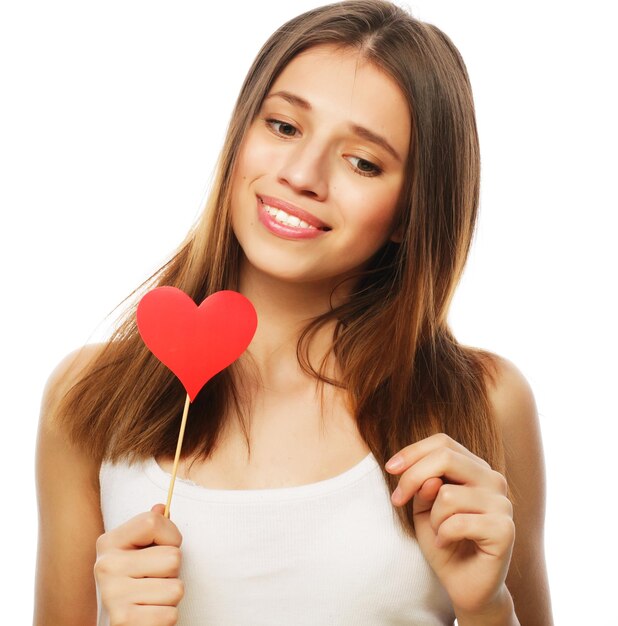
(283, 310)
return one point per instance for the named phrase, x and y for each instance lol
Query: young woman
(344, 207)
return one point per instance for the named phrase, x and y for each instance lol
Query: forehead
(342, 87)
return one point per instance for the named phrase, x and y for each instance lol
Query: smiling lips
(288, 221)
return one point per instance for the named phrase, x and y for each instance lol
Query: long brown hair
(405, 374)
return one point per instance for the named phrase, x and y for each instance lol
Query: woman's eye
(285, 129)
(366, 168)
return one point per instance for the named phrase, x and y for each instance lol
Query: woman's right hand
(137, 571)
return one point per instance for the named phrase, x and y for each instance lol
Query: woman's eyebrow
(360, 131)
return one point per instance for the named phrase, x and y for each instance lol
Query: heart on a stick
(195, 342)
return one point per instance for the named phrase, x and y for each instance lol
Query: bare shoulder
(514, 408)
(511, 395)
(69, 511)
(66, 373)
(52, 441)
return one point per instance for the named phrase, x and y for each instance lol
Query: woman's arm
(484, 544)
(515, 409)
(69, 513)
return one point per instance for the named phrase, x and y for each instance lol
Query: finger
(145, 615)
(125, 592)
(155, 591)
(425, 498)
(415, 452)
(152, 562)
(140, 531)
(458, 499)
(430, 489)
(494, 534)
(450, 466)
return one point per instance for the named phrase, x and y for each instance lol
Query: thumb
(424, 498)
(158, 508)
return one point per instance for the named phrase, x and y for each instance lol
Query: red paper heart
(195, 342)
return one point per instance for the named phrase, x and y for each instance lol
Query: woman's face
(321, 168)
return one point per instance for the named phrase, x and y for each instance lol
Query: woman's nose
(305, 170)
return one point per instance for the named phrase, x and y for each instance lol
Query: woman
(344, 207)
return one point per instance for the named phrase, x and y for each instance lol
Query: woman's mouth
(287, 221)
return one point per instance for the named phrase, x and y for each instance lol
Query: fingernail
(395, 463)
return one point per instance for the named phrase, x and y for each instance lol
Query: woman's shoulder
(514, 407)
(67, 372)
(67, 486)
(510, 394)
(62, 467)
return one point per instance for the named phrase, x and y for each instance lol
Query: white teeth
(288, 220)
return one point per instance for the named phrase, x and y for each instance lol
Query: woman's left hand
(462, 517)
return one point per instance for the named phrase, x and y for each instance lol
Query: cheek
(249, 166)
(378, 216)
(254, 157)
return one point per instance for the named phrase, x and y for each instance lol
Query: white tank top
(329, 553)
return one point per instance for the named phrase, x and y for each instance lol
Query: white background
(111, 118)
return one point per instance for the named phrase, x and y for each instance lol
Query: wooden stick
(177, 457)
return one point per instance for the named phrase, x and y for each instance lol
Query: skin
(71, 523)
(472, 506)
(465, 522)
(137, 570)
(310, 158)
(72, 543)
(458, 499)
(314, 161)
